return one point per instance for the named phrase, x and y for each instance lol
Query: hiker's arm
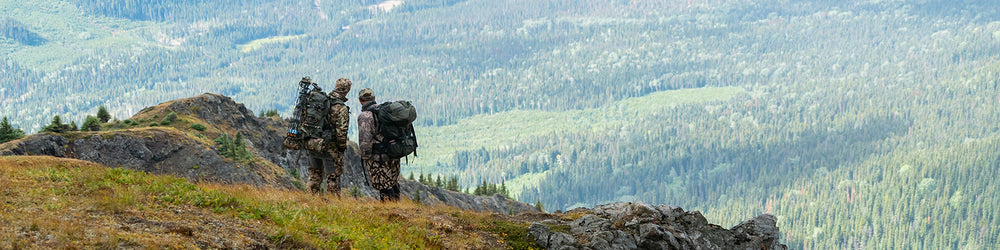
(366, 130)
(344, 120)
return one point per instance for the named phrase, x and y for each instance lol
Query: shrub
(92, 124)
(170, 118)
(198, 127)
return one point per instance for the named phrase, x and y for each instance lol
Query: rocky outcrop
(435, 195)
(152, 150)
(642, 226)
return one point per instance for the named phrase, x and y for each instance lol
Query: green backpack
(395, 123)
(316, 108)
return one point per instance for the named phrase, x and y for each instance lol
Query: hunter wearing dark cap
(384, 169)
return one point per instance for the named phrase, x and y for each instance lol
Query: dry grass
(63, 203)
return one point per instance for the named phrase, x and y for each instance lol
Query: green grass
(439, 144)
(46, 195)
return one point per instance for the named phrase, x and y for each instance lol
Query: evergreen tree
(416, 197)
(453, 184)
(56, 126)
(8, 132)
(91, 124)
(411, 176)
(103, 115)
(233, 148)
(538, 205)
(73, 126)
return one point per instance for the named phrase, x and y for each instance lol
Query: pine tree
(8, 132)
(416, 197)
(411, 176)
(453, 184)
(73, 126)
(538, 205)
(56, 126)
(103, 115)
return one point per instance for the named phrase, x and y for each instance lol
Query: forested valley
(859, 123)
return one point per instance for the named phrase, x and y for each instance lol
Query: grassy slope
(439, 144)
(63, 203)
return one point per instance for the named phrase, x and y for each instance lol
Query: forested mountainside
(860, 123)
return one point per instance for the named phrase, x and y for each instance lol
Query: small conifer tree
(56, 126)
(8, 132)
(103, 115)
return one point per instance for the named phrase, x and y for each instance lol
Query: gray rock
(641, 226)
(589, 224)
(759, 231)
(540, 233)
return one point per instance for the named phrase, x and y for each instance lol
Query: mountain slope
(54, 202)
(65, 203)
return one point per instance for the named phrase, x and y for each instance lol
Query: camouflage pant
(316, 168)
(384, 174)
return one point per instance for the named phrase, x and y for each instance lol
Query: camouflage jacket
(340, 119)
(368, 134)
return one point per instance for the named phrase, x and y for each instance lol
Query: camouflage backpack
(313, 112)
(395, 123)
(314, 122)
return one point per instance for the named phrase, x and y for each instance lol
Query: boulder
(642, 226)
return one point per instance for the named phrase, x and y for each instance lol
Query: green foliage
(269, 113)
(355, 192)
(198, 126)
(488, 189)
(170, 118)
(56, 126)
(103, 115)
(539, 206)
(9, 132)
(416, 197)
(92, 124)
(514, 234)
(233, 148)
